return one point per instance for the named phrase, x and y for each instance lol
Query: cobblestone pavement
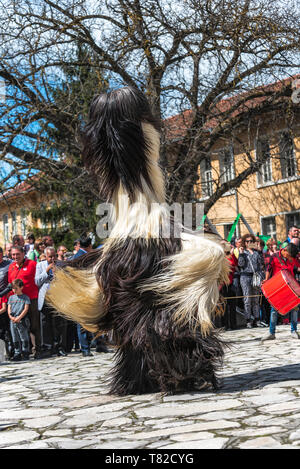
(63, 403)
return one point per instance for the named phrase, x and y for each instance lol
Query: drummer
(285, 259)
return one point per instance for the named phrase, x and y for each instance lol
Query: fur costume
(157, 293)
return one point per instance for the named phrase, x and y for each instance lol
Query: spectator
(29, 245)
(25, 269)
(61, 253)
(8, 247)
(76, 246)
(4, 321)
(85, 245)
(229, 317)
(260, 245)
(48, 241)
(250, 261)
(236, 284)
(5, 333)
(55, 326)
(292, 233)
(284, 260)
(237, 245)
(18, 240)
(4, 265)
(265, 305)
(84, 336)
(72, 339)
(18, 305)
(271, 249)
(296, 242)
(38, 250)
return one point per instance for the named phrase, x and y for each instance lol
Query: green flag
(201, 223)
(233, 227)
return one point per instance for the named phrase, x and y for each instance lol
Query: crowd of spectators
(253, 261)
(28, 325)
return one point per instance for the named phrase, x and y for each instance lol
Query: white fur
(190, 285)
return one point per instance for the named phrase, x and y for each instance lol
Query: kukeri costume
(157, 293)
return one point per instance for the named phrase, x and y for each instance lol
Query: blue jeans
(273, 320)
(20, 335)
(84, 338)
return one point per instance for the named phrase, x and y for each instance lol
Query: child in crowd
(18, 305)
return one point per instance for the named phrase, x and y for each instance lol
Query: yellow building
(270, 199)
(16, 206)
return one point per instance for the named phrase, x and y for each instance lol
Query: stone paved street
(63, 403)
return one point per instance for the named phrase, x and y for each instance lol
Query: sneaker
(249, 325)
(268, 337)
(261, 324)
(295, 335)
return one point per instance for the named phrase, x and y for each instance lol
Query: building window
(287, 155)
(292, 219)
(206, 178)
(23, 222)
(14, 223)
(5, 228)
(263, 154)
(226, 159)
(268, 225)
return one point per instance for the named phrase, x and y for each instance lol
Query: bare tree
(185, 55)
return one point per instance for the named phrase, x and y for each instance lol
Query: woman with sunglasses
(250, 262)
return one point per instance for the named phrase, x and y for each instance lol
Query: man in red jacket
(286, 259)
(24, 269)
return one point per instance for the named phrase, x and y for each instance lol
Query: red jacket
(234, 262)
(27, 274)
(3, 300)
(278, 263)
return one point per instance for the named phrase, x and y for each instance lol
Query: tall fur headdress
(116, 146)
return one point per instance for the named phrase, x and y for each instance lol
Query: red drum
(282, 291)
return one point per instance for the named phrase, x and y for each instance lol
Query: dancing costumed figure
(155, 290)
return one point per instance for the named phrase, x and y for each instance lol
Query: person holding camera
(251, 267)
(54, 325)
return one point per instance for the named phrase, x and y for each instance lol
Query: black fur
(114, 147)
(153, 353)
